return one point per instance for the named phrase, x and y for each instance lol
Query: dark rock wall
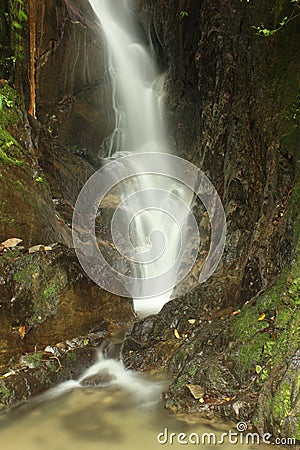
(73, 97)
(227, 92)
(232, 100)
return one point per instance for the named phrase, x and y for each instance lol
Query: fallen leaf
(11, 243)
(235, 313)
(36, 248)
(192, 321)
(261, 317)
(176, 334)
(39, 247)
(22, 331)
(196, 391)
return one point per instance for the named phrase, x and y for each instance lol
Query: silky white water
(108, 407)
(140, 127)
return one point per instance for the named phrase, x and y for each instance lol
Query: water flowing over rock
(231, 100)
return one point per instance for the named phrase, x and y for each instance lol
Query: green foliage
(183, 14)
(4, 392)
(9, 149)
(294, 111)
(192, 371)
(262, 30)
(34, 360)
(10, 102)
(13, 21)
(17, 20)
(71, 357)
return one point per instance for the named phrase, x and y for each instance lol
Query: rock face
(26, 205)
(226, 99)
(73, 94)
(234, 112)
(230, 95)
(46, 298)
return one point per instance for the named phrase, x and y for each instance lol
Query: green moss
(297, 435)
(45, 300)
(51, 289)
(51, 366)
(11, 102)
(10, 150)
(179, 383)
(34, 360)
(71, 357)
(43, 282)
(281, 404)
(4, 392)
(26, 274)
(192, 371)
(4, 218)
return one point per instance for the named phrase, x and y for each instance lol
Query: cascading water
(140, 127)
(136, 83)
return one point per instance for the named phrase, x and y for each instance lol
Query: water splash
(110, 373)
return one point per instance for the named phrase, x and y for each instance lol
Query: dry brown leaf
(11, 243)
(22, 331)
(196, 391)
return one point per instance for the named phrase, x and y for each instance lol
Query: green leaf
(283, 21)
(184, 13)
(22, 16)
(16, 24)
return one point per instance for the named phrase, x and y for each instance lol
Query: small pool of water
(122, 412)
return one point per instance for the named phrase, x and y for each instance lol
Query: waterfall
(137, 90)
(136, 83)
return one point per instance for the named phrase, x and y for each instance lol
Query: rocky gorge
(232, 100)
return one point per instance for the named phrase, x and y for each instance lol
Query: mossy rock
(47, 298)
(26, 205)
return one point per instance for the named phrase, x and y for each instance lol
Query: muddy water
(121, 411)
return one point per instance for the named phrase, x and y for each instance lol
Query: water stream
(109, 407)
(137, 93)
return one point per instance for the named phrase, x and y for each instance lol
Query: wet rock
(70, 64)
(97, 380)
(36, 372)
(46, 297)
(246, 361)
(219, 75)
(26, 205)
